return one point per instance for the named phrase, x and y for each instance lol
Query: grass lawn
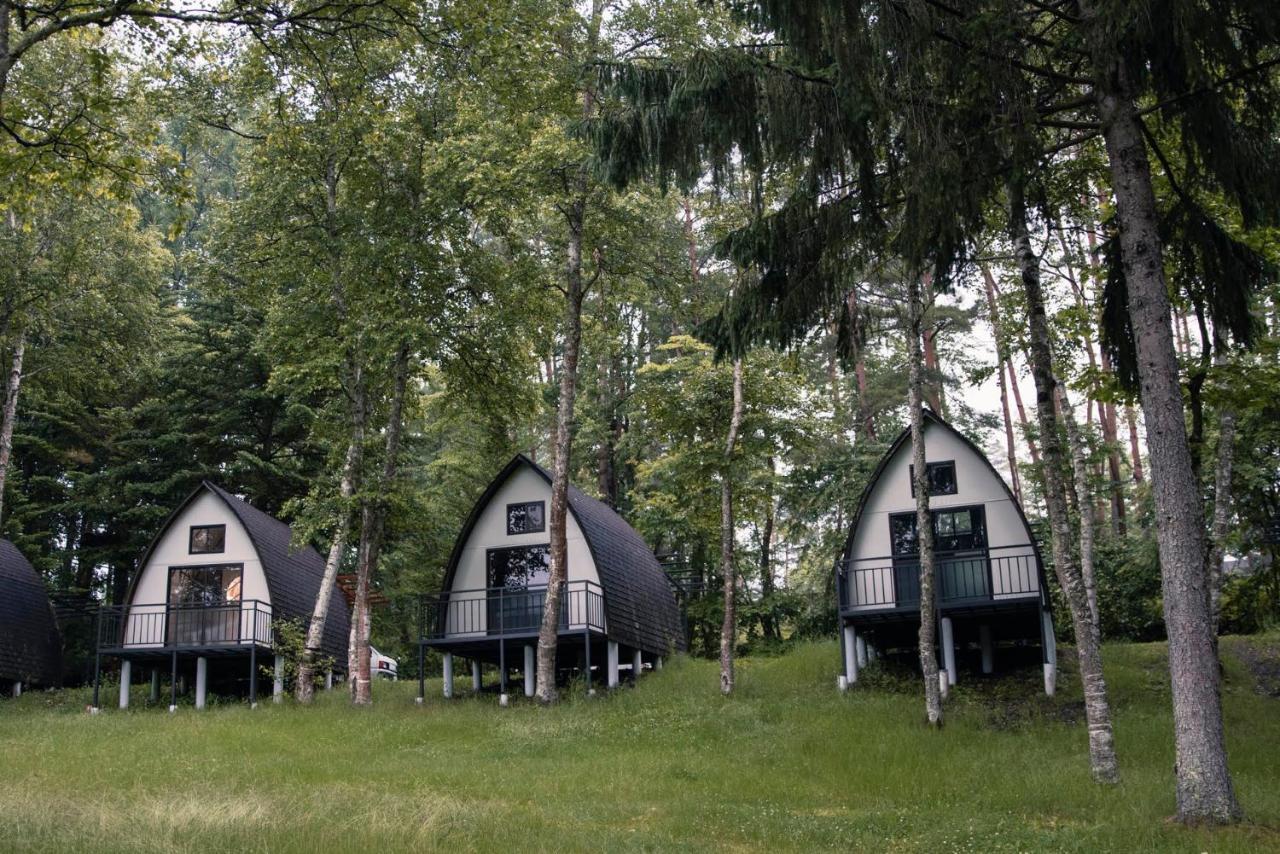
(788, 764)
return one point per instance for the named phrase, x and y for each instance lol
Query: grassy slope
(788, 764)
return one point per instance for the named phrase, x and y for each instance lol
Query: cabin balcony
(973, 580)
(494, 613)
(159, 629)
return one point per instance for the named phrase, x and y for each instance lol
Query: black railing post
(422, 671)
(586, 639)
(502, 640)
(253, 672)
(173, 682)
(97, 661)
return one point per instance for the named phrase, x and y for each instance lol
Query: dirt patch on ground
(1262, 657)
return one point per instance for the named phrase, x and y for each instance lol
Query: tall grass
(787, 764)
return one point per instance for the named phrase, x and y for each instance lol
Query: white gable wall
(976, 484)
(467, 609)
(150, 594)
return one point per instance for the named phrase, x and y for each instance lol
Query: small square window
(941, 478)
(208, 539)
(526, 517)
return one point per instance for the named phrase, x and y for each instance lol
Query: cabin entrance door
(204, 604)
(517, 588)
(960, 555)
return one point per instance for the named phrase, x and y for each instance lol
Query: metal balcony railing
(496, 612)
(973, 576)
(160, 626)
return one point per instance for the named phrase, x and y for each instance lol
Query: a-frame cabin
(618, 608)
(990, 581)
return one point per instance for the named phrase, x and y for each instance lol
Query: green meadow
(788, 764)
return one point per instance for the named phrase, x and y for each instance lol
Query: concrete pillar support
(637, 664)
(861, 647)
(613, 664)
(530, 671)
(949, 649)
(202, 681)
(850, 654)
(988, 648)
(328, 680)
(477, 678)
(448, 675)
(126, 680)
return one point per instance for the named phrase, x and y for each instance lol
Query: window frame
(542, 515)
(928, 467)
(191, 539)
(977, 523)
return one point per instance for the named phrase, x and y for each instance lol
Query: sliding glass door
(204, 604)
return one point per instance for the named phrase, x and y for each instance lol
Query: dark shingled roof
(30, 646)
(640, 606)
(293, 575)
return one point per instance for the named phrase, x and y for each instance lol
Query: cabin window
(208, 539)
(954, 529)
(520, 567)
(520, 577)
(204, 604)
(526, 517)
(940, 476)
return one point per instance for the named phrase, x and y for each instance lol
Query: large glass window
(514, 571)
(954, 529)
(204, 604)
(940, 476)
(527, 517)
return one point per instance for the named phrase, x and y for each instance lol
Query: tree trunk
(304, 688)
(1135, 447)
(1022, 414)
(924, 520)
(11, 387)
(729, 628)
(1222, 498)
(373, 526)
(1080, 476)
(769, 625)
(1102, 756)
(1010, 445)
(860, 367)
(1204, 787)
(575, 291)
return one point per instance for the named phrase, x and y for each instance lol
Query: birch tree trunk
(304, 689)
(729, 628)
(13, 384)
(373, 526)
(575, 291)
(924, 520)
(1102, 756)
(1204, 787)
(1080, 476)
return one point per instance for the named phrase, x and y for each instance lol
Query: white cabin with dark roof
(990, 578)
(618, 605)
(207, 595)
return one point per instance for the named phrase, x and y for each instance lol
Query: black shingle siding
(30, 646)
